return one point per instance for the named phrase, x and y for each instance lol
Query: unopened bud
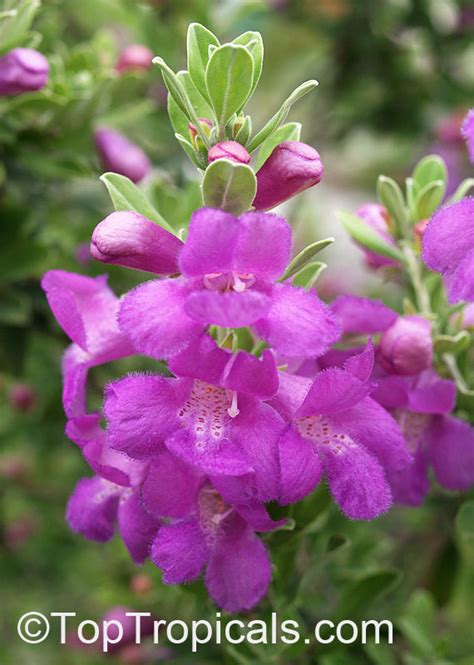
(120, 155)
(22, 397)
(406, 348)
(291, 168)
(206, 126)
(229, 150)
(22, 70)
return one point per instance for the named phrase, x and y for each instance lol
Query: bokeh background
(396, 77)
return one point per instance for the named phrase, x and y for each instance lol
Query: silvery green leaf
(305, 257)
(189, 150)
(429, 198)
(16, 23)
(366, 237)
(199, 41)
(428, 169)
(254, 44)
(391, 197)
(229, 77)
(307, 276)
(180, 120)
(289, 132)
(281, 115)
(125, 195)
(452, 343)
(462, 190)
(229, 186)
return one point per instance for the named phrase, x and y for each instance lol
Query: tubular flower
(86, 309)
(229, 268)
(336, 428)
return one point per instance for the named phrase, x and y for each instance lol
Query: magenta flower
(135, 57)
(86, 309)
(467, 132)
(120, 155)
(229, 150)
(128, 239)
(229, 268)
(220, 538)
(376, 218)
(336, 428)
(406, 347)
(448, 248)
(421, 406)
(211, 417)
(291, 168)
(22, 70)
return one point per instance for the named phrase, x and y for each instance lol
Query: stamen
(233, 409)
(238, 286)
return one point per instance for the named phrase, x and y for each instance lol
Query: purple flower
(134, 57)
(86, 309)
(211, 417)
(128, 239)
(467, 132)
(221, 539)
(362, 315)
(421, 406)
(336, 428)
(22, 70)
(291, 168)
(120, 155)
(229, 150)
(229, 267)
(406, 347)
(448, 248)
(22, 397)
(376, 218)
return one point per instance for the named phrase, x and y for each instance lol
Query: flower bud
(291, 168)
(141, 584)
(376, 218)
(22, 397)
(406, 348)
(206, 125)
(229, 150)
(22, 70)
(135, 57)
(128, 239)
(120, 155)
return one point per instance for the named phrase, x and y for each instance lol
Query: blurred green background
(395, 78)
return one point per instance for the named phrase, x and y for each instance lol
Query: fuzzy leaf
(305, 257)
(253, 42)
(391, 197)
(229, 186)
(429, 198)
(198, 41)
(368, 238)
(428, 169)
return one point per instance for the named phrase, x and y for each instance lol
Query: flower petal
(92, 508)
(171, 487)
(362, 315)
(451, 448)
(298, 323)
(460, 283)
(264, 245)
(136, 526)
(239, 569)
(202, 359)
(254, 376)
(180, 551)
(229, 309)
(153, 317)
(333, 390)
(141, 412)
(301, 468)
(210, 244)
(75, 368)
(361, 365)
(410, 485)
(449, 236)
(356, 480)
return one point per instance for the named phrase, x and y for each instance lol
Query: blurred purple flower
(135, 57)
(120, 155)
(376, 218)
(467, 131)
(22, 397)
(22, 70)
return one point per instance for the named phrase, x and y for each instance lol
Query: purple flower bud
(22, 397)
(467, 131)
(120, 155)
(128, 239)
(376, 217)
(229, 150)
(291, 168)
(134, 57)
(205, 123)
(22, 70)
(406, 348)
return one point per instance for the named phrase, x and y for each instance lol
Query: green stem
(415, 273)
